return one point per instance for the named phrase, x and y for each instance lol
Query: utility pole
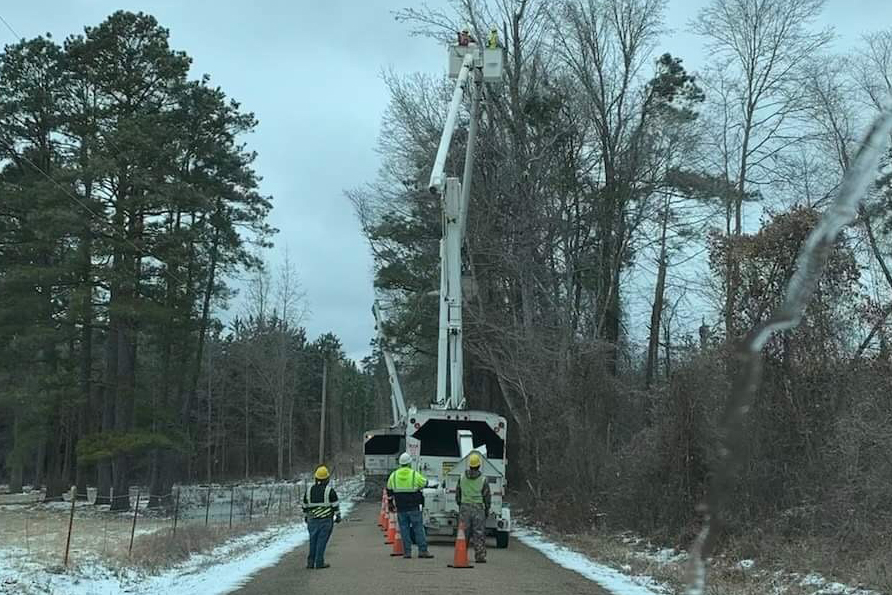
(210, 409)
(322, 417)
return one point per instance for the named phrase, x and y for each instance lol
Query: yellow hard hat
(474, 460)
(321, 472)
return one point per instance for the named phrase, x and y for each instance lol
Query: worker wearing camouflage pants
(474, 500)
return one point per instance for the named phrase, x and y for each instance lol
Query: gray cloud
(310, 70)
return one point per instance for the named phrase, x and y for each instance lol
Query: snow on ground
(825, 587)
(222, 570)
(613, 580)
(622, 582)
(664, 556)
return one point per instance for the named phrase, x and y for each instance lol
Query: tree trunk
(17, 464)
(87, 409)
(247, 423)
(291, 438)
(203, 326)
(656, 312)
(55, 482)
(667, 346)
(733, 268)
(126, 362)
(210, 410)
(40, 465)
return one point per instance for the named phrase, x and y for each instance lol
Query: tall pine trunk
(656, 313)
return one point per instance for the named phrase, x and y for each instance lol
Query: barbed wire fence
(71, 529)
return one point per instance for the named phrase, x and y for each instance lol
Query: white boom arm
(436, 181)
(397, 402)
(455, 198)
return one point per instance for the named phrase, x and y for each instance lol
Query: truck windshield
(439, 438)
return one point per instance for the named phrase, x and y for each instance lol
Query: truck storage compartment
(384, 444)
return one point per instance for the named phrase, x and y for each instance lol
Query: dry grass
(780, 563)
(163, 549)
(38, 535)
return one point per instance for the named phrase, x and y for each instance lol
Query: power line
(95, 216)
(98, 218)
(8, 26)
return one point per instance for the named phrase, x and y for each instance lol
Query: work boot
(407, 556)
(310, 566)
(483, 561)
(425, 555)
(324, 566)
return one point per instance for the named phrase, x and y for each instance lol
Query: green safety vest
(471, 489)
(406, 479)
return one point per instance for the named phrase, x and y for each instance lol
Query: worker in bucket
(474, 500)
(492, 42)
(321, 512)
(404, 492)
(464, 36)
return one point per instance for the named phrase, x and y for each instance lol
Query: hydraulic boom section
(397, 402)
(455, 197)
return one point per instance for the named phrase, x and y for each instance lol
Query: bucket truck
(442, 437)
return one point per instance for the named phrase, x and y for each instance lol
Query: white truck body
(440, 442)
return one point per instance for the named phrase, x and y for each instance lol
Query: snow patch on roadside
(613, 580)
(825, 587)
(224, 569)
(664, 556)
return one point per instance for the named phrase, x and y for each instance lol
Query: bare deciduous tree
(764, 45)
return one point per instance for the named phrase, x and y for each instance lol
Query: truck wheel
(501, 539)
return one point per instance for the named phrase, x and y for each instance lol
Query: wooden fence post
(70, 523)
(207, 507)
(176, 512)
(135, 513)
(231, 501)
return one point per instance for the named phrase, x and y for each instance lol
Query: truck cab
(381, 451)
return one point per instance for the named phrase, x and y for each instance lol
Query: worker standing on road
(321, 511)
(404, 492)
(474, 500)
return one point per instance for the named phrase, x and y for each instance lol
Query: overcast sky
(310, 71)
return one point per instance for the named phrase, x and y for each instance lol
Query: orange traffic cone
(397, 543)
(391, 530)
(383, 509)
(461, 549)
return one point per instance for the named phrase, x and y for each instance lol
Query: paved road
(361, 565)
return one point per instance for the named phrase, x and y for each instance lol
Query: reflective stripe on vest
(471, 489)
(320, 510)
(326, 499)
